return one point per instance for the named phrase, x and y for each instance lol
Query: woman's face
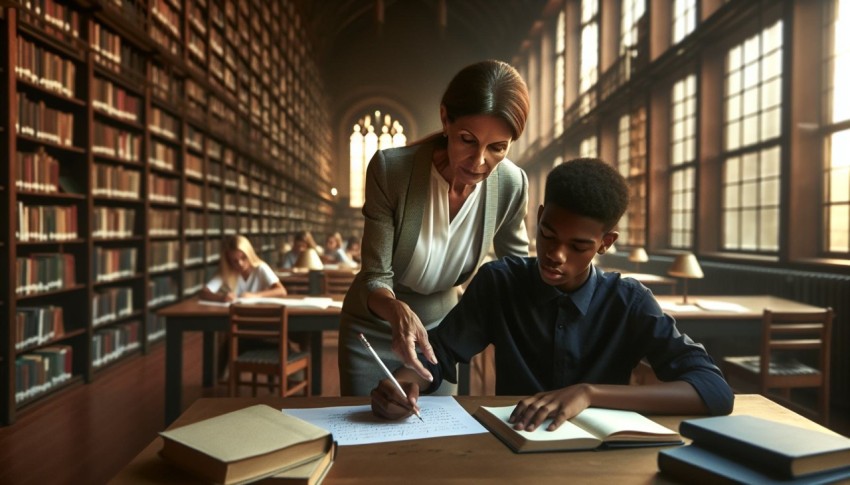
(299, 246)
(477, 143)
(239, 261)
(332, 243)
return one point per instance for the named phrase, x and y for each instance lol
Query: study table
(652, 281)
(733, 326)
(476, 458)
(192, 316)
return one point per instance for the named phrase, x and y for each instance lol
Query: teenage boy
(566, 333)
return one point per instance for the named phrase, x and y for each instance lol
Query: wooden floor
(86, 435)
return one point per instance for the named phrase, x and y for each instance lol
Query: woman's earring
(445, 134)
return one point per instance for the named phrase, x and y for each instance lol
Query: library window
(837, 128)
(623, 167)
(631, 162)
(684, 19)
(560, 66)
(682, 162)
(751, 172)
(364, 141)
(589, 56)
(631, 17)
(587, 147)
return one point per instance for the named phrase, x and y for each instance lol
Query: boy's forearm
(676, 397)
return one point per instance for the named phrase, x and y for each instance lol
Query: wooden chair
(259, 344)
(296, 283)
(795, 350)
(336, 281)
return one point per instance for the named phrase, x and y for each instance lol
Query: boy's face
(566, 245)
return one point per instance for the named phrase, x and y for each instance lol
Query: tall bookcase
(138, 134)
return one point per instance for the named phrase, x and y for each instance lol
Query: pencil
(387, 372)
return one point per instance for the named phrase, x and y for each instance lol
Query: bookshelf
(139, 133)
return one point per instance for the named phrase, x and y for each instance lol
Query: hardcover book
(244, 445)
(310, 473)
(694, 464)
(779, 449)
(591, 429)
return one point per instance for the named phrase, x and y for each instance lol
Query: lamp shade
(638, 255)
(309, 260)
(685, 266)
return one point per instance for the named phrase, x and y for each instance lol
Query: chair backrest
(296, 283)
(336, 282)
(786, 335)
(258, 322)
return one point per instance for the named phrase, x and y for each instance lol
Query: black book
(778, 449)
(694, 464)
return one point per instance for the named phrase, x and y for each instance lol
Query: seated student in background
(566, 333)
(334, 253)
(352, 249)
(242, 274)
(301, 241)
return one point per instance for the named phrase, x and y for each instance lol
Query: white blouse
(260, 279)
(445, 249)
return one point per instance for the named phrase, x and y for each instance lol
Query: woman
(334, 253)
(242, 274)
(433, 211)
(352, 249)
(301, 241)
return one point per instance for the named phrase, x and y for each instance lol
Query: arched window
(371, 133)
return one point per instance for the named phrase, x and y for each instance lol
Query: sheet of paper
(214, 303)
(308, 302)
(356, 425)
(720, 306)
(677, 307)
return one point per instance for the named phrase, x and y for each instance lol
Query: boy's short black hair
(588, 187)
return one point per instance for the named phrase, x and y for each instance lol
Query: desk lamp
(309, 260)
(637, 256)
(685, 266)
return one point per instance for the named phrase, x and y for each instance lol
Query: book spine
(686, 472)
(736, 449)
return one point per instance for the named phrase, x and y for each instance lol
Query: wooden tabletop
(743, 307)
(192, 307)
(479, 458)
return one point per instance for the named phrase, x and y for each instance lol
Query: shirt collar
(580, 298)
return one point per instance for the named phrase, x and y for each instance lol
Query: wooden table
(191, 316)
(478, 458)
(726, 333)
(652, 281)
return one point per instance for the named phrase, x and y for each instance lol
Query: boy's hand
(560, 405)
(387, 403)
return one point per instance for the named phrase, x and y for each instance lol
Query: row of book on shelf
(39, 370)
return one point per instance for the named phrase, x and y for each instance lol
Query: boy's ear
(607, 240)
(539, 214)
(444, 118)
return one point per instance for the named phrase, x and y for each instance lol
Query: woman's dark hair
(489, 88)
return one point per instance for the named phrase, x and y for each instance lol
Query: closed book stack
(245, 445)
(748, 449)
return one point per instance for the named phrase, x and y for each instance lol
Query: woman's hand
(560, 405)
(387, 403)
(408, 331)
